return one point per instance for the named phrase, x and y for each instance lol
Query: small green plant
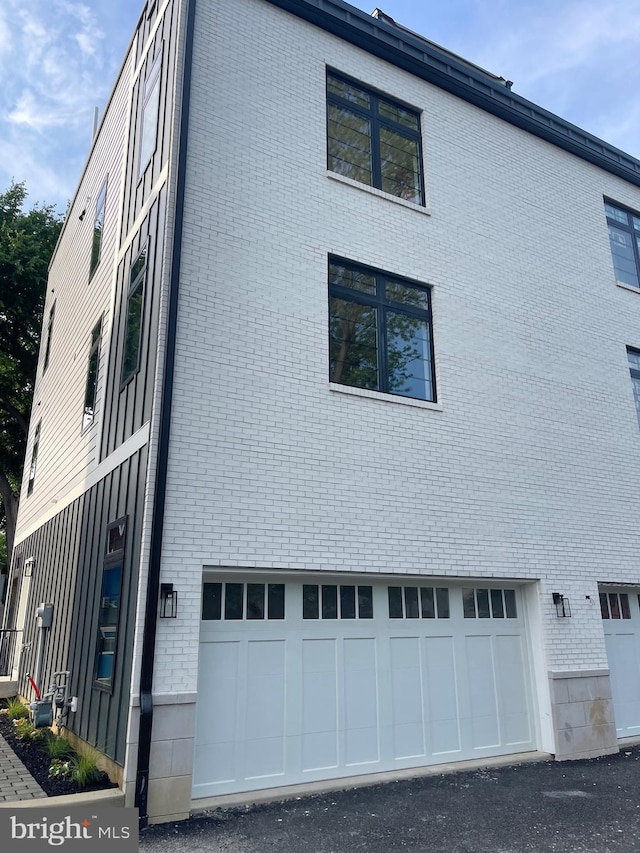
(25, 730)
(84, 770)
(16, 710)
(60, 769)
(57, 747)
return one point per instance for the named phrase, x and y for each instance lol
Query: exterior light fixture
(168, 601)
(29, 566)
(563, 606)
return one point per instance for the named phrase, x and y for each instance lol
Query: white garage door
(302, 681)
(621, 622)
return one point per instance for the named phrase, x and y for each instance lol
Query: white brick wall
(528, 471)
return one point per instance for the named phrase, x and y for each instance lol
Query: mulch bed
(37, 762)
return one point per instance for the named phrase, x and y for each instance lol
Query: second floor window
(624, 237)
(373, 139)
(380, 332)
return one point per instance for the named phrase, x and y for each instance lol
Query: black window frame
(378, 121)
(631, 230)
(47, 348)
(137, 282)
(113, 560)
(149, 130)
(97, 232)
(34, 458)
(383, 305)
(93, 373)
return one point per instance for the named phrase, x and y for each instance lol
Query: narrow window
(380, 332)
(624, 239)
(133, 329)
(633, 357)
(34, 459)
(47, 350)
(92, 376)
(373, 139)
(98, 226)
(109, 608)
(150, 114)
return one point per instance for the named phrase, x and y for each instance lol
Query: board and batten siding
(69, 552)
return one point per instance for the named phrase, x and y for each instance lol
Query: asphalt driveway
(591, 805)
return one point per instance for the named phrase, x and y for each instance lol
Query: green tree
(27, 241)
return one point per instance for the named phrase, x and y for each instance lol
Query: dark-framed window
(98, 227)
(34, 458)
(624, 238)
(380, 331)
(150, 114)
(373, 139)
(633, 357)
(47, 349)
(239, 601)
(134, 317)
(92, 376)
(109, 605)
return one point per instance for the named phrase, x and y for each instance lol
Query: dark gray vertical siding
(69, 551)
(128, 407)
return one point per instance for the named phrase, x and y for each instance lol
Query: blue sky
(59, 58)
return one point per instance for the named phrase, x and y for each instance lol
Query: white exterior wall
(528, 468)
(67, 454)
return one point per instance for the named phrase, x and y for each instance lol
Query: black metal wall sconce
(563, 606)
(168, 601)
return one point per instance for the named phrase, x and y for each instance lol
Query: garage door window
(489, 604)
(330, 601)
(615, 605)
(238, 601)
(412, 602)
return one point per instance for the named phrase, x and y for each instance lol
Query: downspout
(157, 520)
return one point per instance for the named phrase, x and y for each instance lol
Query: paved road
(570, 807)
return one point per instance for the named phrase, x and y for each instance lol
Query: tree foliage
(27, 241)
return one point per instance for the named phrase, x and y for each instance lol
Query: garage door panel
(481, 686)
(512, 689)
(622, 652)
(319, 705)
(406, 698)
(361, 717)
(441, 695)
(264, 740)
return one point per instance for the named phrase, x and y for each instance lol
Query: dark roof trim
(423, 59)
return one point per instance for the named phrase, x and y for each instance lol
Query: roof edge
(423, 59)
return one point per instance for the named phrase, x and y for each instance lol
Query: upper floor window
(47, 350)
(98, 225)
(380, 332)
(150, 114)
(34, 458)
(92, 376)
(133, 328)
(624, 236)
(633, 357)
(373, 139)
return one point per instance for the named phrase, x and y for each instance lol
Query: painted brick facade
(526, 468)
